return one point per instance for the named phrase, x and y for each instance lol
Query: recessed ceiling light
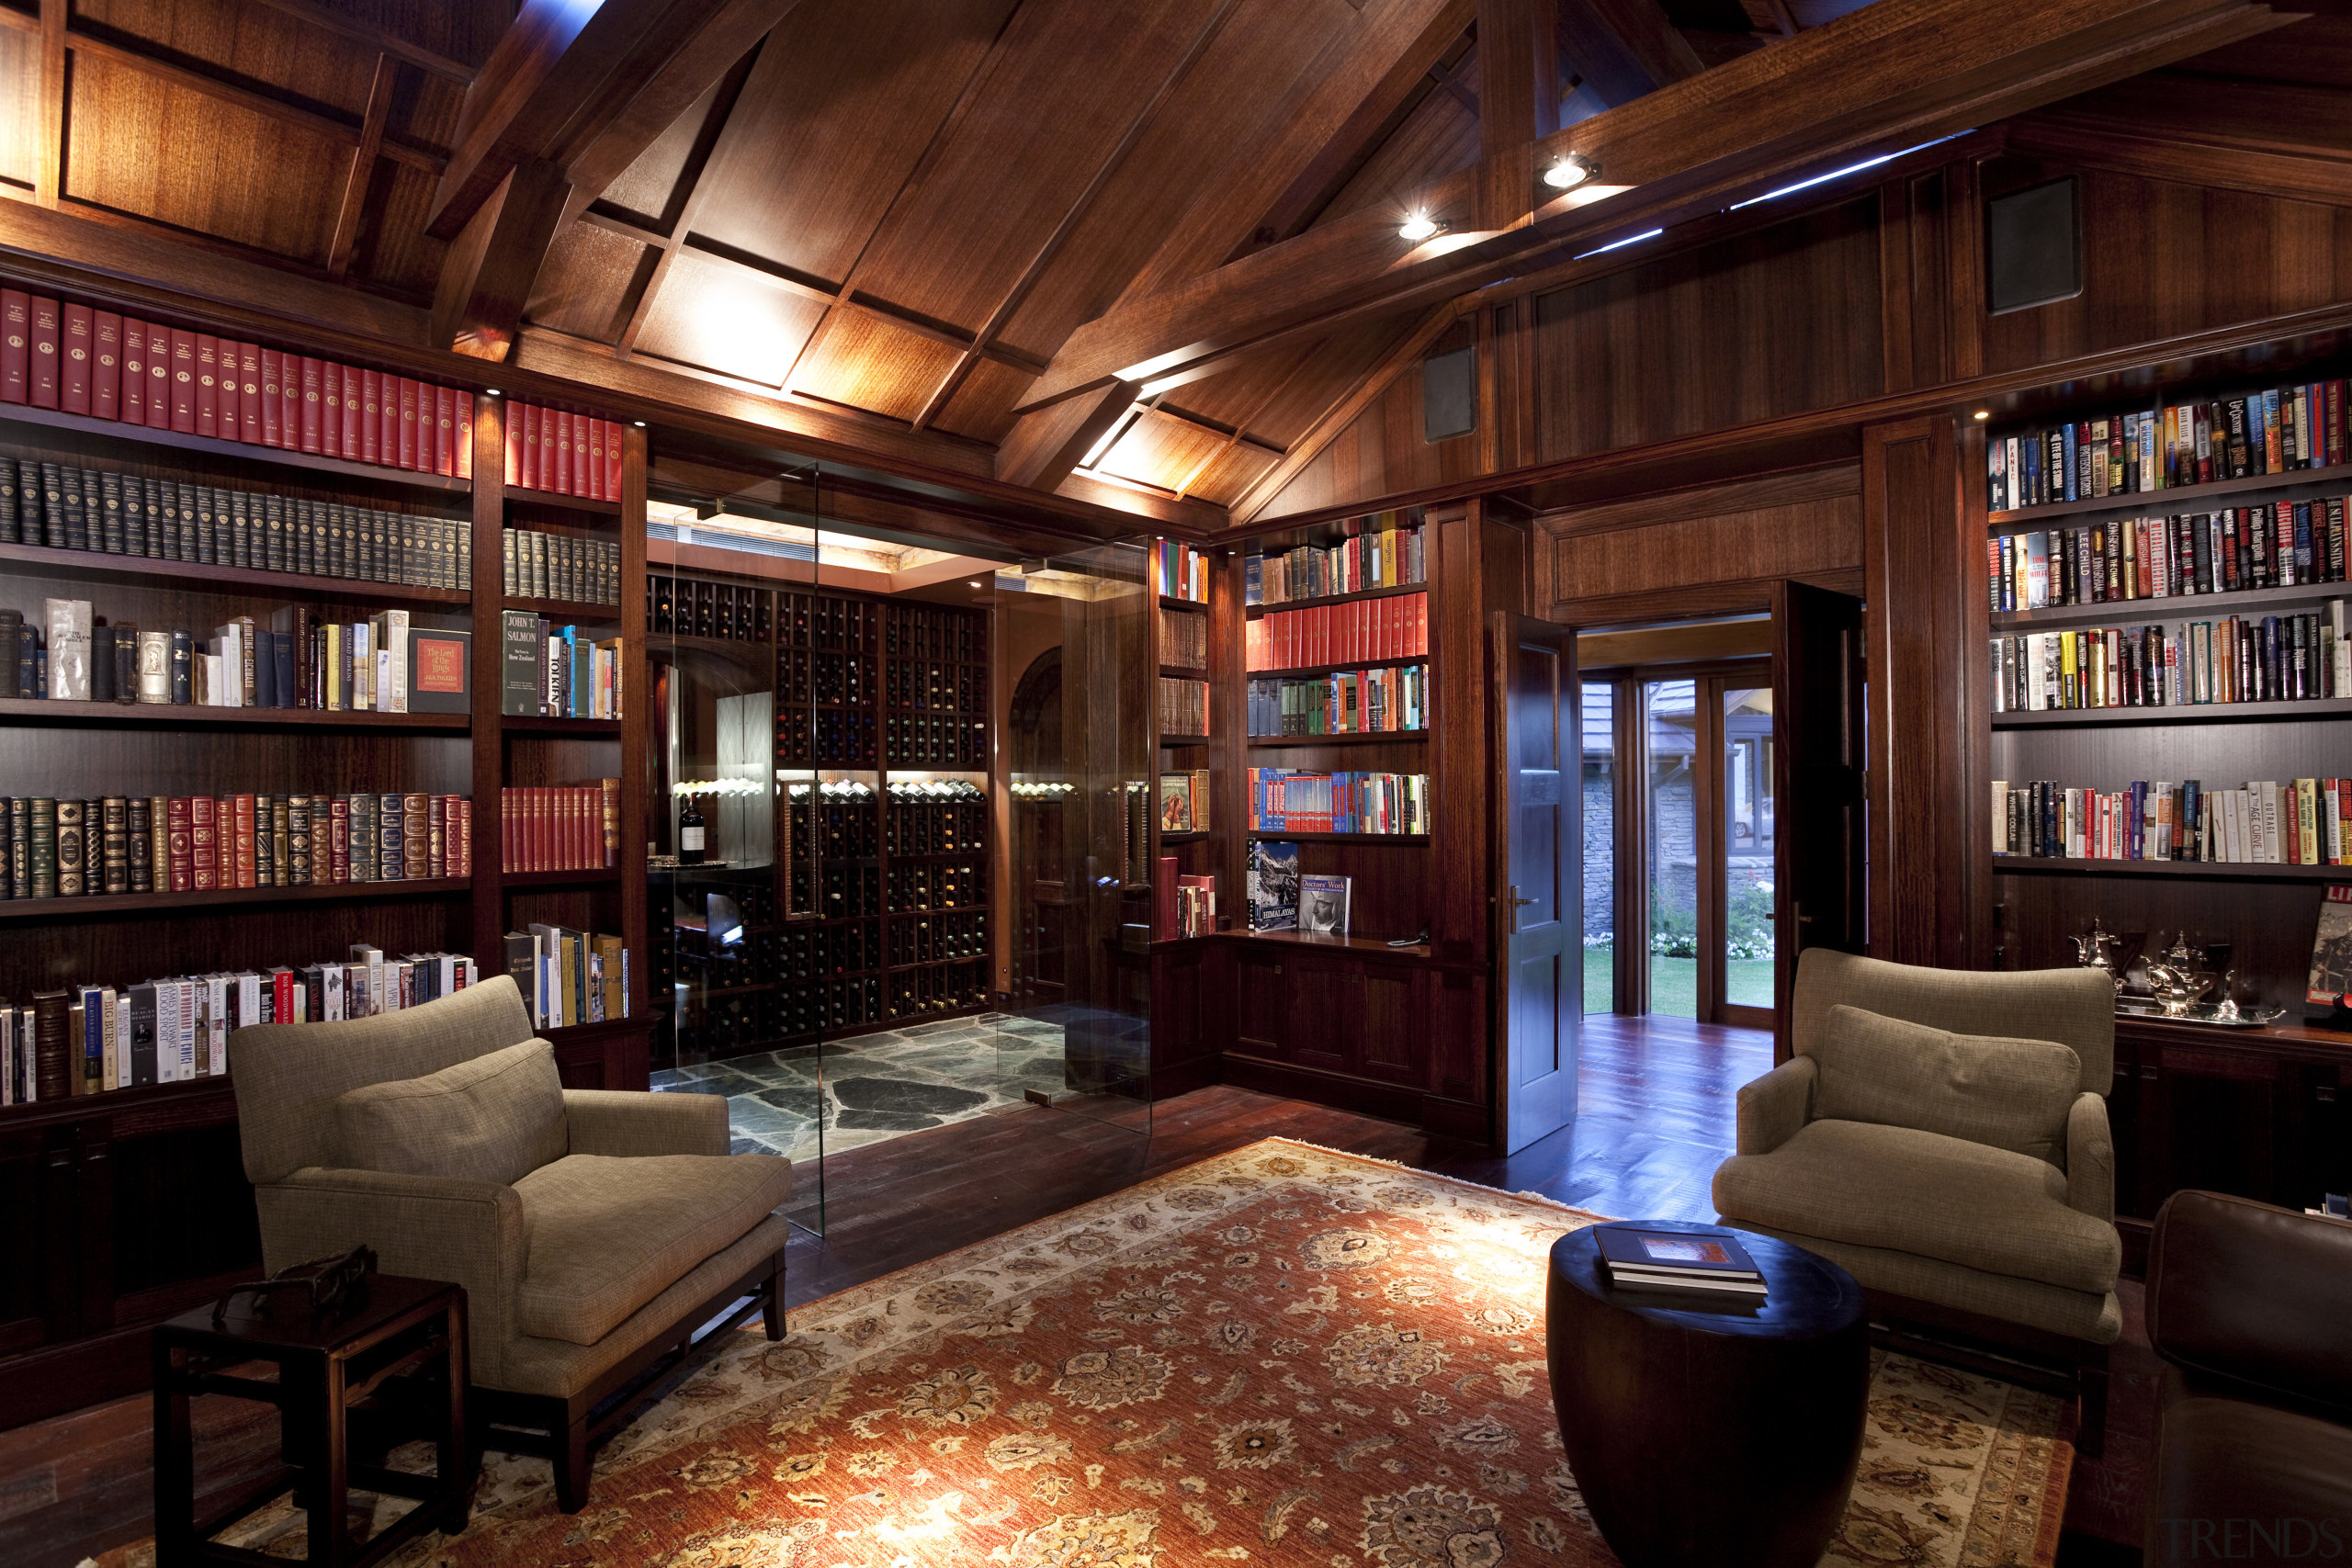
(640, 424)
(1983, 413)
(1570, 172)
(489, 391)
(973, 583)
(1419, 226)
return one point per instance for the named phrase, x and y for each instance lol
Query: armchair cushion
(608, 1235)
(2006, 1094)
(1924, 1193)
(630, 1122)
(1773, 1108)
(496, 1118)
(2090, 1159)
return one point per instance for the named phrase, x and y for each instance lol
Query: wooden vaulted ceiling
(966, 233)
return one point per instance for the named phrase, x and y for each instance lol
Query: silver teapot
(2100, 949)
(2178, 978)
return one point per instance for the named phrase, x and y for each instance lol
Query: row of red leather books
(560, 827)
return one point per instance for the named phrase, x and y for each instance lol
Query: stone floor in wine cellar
(868, 1088)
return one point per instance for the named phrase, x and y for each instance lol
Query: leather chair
(594, 1230)
(1952, 1158)
(2249, 1306)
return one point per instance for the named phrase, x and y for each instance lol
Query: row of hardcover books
(1290, 800)
(1367, 630)
(1183, 639)
(568, 976)
(62, 847)
(61, 507)
(2234, 659)
(1387, 554)
(1180, 571)
(562, 566)
(1184, 802)
(1184, 707)
(382, 664)
(1394, 699)
(1186, 905)
(2299, 822)
(568, 454)
(560, 827)
(559, 671)
(2283, 545)
(2272, 431)
(90, 1039)
(85, 361)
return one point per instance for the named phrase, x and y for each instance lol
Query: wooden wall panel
(1717, 336)
(1802, 526)
(2162, 259)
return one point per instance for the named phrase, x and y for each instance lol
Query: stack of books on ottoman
(1713, 1263)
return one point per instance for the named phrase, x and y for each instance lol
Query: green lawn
(1674, 983)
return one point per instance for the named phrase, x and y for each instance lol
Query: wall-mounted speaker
(1450, 394)
(2033, 246)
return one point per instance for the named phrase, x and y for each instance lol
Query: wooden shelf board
(684, 640)
(1183, 672)
(1194, 605)
(1190, 836)
(1343, 837)
(187, 1099)
(1184, 740)
(1343, 667)
(569, 502)
(2188, 606)
(101, 564)
(547, 723)
(2174, 502)
(554, 608)
(16, 910)
(1256, 611)
(2185, 713)
(148, 436)
(1372, 738)
(39, 710)
(2231, 870)
(609, 876)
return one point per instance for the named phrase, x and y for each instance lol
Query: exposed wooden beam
(486, 273)
(382, 40)
(49, 170)
(1045, 446)
(2250, 136)
(687, 202)
(1622, 49)
(362, 171)
(1892, 74)
(1051, 245)
(1518, 104)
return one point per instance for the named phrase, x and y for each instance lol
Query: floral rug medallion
(1281, 1354)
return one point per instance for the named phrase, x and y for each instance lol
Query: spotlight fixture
(489, 391)
(973, 583)
(1983, 413)
(1571, 170)
(640, 424)
(1419, 226)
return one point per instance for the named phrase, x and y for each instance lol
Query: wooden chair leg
(571, 1470)
(772, 1303)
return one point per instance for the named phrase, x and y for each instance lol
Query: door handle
(1515, 903)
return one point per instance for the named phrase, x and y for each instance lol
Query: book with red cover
(106, 365)
(130, 407)
(43, 381)
(313, 432)
(548, 424)
(245, 830)
(461, 811)
(289, 400)
(371, 417)
(207, 385)
(352, 410)
(584, 478)
(1163, 897)
(445, 428)
(228, 401)
(249, 408)
(273, 401)
(15, 345)
(408, 424)
(463, 456)
(338, 838)
(613, 439)
(388, 419)
(593, 474)
(330, 409)
(513, 447)
(529, 421)
(183, 389)
(74, 360)
(203, 841)
(565, 423)
(179, 835)
(159, 376)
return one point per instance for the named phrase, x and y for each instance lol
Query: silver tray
(2199, 1012)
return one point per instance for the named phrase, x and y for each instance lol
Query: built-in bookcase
(120, 1208)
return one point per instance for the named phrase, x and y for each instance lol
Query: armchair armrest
(2259, 1295)
(628, 1124)
(1774, 1107)
(429, 1227)
(2090, 1159)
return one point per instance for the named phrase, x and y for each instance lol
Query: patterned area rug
(1283, 1355)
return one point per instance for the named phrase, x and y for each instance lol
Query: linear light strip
(1848, 169)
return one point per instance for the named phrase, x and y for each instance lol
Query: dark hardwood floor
(1656, 1117)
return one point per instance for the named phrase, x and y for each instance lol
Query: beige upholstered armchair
(1942, 1135)
(594, 1230)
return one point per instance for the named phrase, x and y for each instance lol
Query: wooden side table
(324, 1370)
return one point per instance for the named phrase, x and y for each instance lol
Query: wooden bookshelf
(2173, 607)
(2291, 484)
(1362, 737)
(98, 563)
(19, 911)
(146, 443)
(1281, 835)
(1259, 611)
(2232, 871)
(47, 711)
(565, 609)
(1345, 666)
(2301, 712)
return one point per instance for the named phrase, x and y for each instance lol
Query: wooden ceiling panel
(728, 319)
(234, 173)
(869, 363)
(844, 97)
(982, 406)
(1230, 472)
(1062, 89)
(587, 282)
(2316, 51)
(394, 249)
(648, 190)
(19, 104)
(1439, 137)
(1267, 44)
(1279, 396)
(252, 46)
(1240, 396)
(1160, 450)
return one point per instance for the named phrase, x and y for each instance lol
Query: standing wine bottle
(690, 832)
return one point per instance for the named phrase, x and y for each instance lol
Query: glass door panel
(1671, 847)
(1747, 870)
(1599, 846)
